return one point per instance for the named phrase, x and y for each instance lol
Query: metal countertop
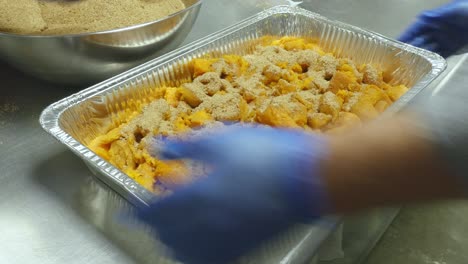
(51, 210)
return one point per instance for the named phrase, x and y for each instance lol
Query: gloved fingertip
(170, 149)
(171, 152)
(444, 53)
(419, 42)
(405, 38)
(150, 215)
(418, 29)
(229, 123)
(408, 35)
(431, 46)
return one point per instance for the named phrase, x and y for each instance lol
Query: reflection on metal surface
(139, 38)
(92, 57)
(448, 77)
(361, 233)
(111, 215)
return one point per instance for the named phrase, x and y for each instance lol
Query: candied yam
(308, 99)
(276, 116)
(396, 92)
(291, 43)
(261, 103)
(318, 81)
(284, 87)
(318, 120)
(146, 182)
(344, 81)
(385, 86)
(144, 174)
(180, 125)
(344, 94)
(149, 120)
(101, 151)
(246, 113)
(347, 120)
(210, 83)
(202, 66)
(223, 107)
(371, 75)
(233, 59)
(121, 155)
(307, 59)
(365, 110)
(330, 104)
(267, 40)
(172, 96)
(295, 110)
(252, 92)
(346, 65)
(372, 94)
(270, 54)
(306, 83)
(192, 94)
(182, 109)
(298, 113)
(326, 64)
(231, 66)
(244, 66)
(199, 118)
(296, 68)
(138, 135)
(234, 66)
(272, 73)
(150, 160)
(282, 65)
(165, 128)
(172, 173)
(297, 44)
(290, 76)
(101, 144)
(381, 106)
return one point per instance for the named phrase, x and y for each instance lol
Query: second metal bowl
(80, 59)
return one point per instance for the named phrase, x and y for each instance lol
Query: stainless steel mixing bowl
(79, 59)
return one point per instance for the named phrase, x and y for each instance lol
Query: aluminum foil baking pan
(79, 118)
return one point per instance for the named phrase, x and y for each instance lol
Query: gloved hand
(443, 30)
(262, 181)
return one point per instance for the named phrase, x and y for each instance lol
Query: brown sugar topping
(297, 87)
(223, 107)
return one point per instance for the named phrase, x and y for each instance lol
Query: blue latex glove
(263, 180)
(443, 30)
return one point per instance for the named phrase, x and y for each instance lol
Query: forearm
(386, 163)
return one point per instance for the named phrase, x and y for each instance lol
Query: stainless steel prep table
(51, 210)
